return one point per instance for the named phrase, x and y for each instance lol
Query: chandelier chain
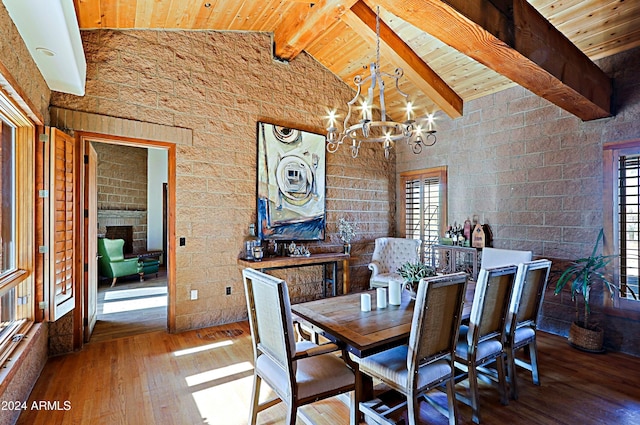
(381, 129)
(378, 37)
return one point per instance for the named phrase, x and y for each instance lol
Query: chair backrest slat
(525, 303)
(491, 303)
(436, 318)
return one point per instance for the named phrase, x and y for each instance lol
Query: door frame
(170, 254)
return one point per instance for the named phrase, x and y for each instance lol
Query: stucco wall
(534, 173)
(219, 85)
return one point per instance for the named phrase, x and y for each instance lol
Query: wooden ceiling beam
(304, 23)
(514, 40)
(363, 20)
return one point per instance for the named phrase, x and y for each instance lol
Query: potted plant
(412, 273)
(582, 274)
(346, 232)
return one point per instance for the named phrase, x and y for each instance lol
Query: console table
(326, 260)
(453, 258)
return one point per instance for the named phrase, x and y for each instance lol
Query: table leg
(363, 392)
(334, 287)
(324, 280)
(345, 276)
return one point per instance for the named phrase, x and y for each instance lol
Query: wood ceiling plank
(126, 13)
(109, 10)
(539, 58)
(160, 13)
(89, 13)
(144, 12)
(304, 23)
(203, 17)
(363, 20)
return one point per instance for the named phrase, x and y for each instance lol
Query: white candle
(381, 297)
(365, 302)
(395, 292)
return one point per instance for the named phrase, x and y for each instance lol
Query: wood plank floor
(131, 307)
(205, 377)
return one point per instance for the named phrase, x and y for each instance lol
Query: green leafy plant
(413, 272)
(583, 273)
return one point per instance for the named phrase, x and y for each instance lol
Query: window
(622, 220)
(8, 197)
(17, 219)
(424, 207)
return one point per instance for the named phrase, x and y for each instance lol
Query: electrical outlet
(194, 294)
(228, 290)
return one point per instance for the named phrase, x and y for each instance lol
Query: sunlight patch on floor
(215, 374)
(136, 304)
(133, 293)
(226, 403)
(202, 348)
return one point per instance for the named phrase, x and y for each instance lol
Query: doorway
(136, 303)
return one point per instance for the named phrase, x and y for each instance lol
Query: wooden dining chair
(299, 373)
(481, 343)
(521, 321)
(427, 361)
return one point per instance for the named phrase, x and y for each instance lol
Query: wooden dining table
(361, 333)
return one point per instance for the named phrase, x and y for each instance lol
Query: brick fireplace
(123, 224)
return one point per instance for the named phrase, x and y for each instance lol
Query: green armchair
(112, 262)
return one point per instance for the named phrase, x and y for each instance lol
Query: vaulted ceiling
(451, 52)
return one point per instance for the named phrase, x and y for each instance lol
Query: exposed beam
(363, 20)
(516, 41)
(304, 24)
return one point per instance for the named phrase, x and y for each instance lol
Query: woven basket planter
(586, 339)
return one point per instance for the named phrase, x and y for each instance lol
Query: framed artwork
(291, 184)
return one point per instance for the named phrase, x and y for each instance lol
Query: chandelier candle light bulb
(384, 130)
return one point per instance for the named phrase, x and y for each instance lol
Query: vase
(347, 248)
(586, 339)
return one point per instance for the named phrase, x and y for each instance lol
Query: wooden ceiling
(451, 52)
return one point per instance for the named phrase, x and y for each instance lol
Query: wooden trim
(171, 214)
(39, 211)
(512, 42)
(611, 225)
(18, 96)
(78, 244)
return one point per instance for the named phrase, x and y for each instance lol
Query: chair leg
(511, 373)
(113, 282)
(475, 396)
(533, 354)
(451, 401)
(292, 413)
(255, 399)
(502, 380)
(413, 411)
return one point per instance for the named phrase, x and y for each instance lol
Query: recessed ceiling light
(45, 51)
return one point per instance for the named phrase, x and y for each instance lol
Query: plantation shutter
(629, 218)
(60, 231)
(423, 208)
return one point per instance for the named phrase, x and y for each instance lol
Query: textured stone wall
(534, 173)
(122, 190)
(17, 61)
(219, 85)
(122, 177)
(17, 67)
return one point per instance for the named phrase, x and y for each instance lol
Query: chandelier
(416, 133)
